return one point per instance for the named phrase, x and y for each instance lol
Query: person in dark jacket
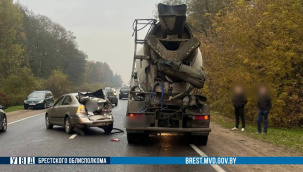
(264, 105)
(239, 102)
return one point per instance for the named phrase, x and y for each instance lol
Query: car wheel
(116, 104)
(135, 138)
(47, 122)
(108, 129)
(4, 124)
(25, 107)
(68, 126)
(120, 98)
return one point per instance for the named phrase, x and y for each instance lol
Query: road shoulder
(21, 114)
(224, 142)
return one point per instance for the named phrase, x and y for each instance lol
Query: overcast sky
(103, 27)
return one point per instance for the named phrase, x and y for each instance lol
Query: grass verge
(286, 137)
(14, 108)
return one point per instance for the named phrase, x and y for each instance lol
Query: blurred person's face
(238, 90)
(263, 90)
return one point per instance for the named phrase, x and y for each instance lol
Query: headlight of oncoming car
(25, 101)
(41, 101)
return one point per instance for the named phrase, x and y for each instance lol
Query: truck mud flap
(162, 129)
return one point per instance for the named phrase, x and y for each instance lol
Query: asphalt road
(27, 136)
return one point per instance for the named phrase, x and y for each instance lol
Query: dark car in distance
(3, 120)
(39, 99)
(124, 91)
(111, 97)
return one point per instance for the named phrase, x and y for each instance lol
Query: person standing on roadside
(264, 105)
(239, 101)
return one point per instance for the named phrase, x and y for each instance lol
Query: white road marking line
(73, 136)
(25, 118)
(216, 167)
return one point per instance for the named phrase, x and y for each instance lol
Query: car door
(54, 112)
(64, 106)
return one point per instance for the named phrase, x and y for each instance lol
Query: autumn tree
(50, 46)
(15, 77)
(259, 41)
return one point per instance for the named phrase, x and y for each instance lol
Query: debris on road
(114, 140)
(79, 131)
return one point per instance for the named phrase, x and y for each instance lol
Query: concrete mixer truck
(166, 75)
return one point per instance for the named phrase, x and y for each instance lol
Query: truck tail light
(201, 117)
(135, 115)
(81, 109)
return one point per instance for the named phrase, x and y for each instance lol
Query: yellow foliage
(252, 42)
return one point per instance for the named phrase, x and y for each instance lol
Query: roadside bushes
(17, 86)
(58, 83)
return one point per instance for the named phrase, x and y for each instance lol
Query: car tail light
(201, 117)
(135, 115)
(81, 109)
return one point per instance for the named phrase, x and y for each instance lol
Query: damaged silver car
(81, 110)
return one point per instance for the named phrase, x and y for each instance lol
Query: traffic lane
(30, 138)
(21, 114)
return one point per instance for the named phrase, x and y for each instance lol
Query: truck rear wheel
(199, 140)
(134, 138)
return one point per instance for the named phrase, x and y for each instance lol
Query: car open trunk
(96, 106)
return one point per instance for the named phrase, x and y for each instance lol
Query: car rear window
(37, 95)
(67, 100)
